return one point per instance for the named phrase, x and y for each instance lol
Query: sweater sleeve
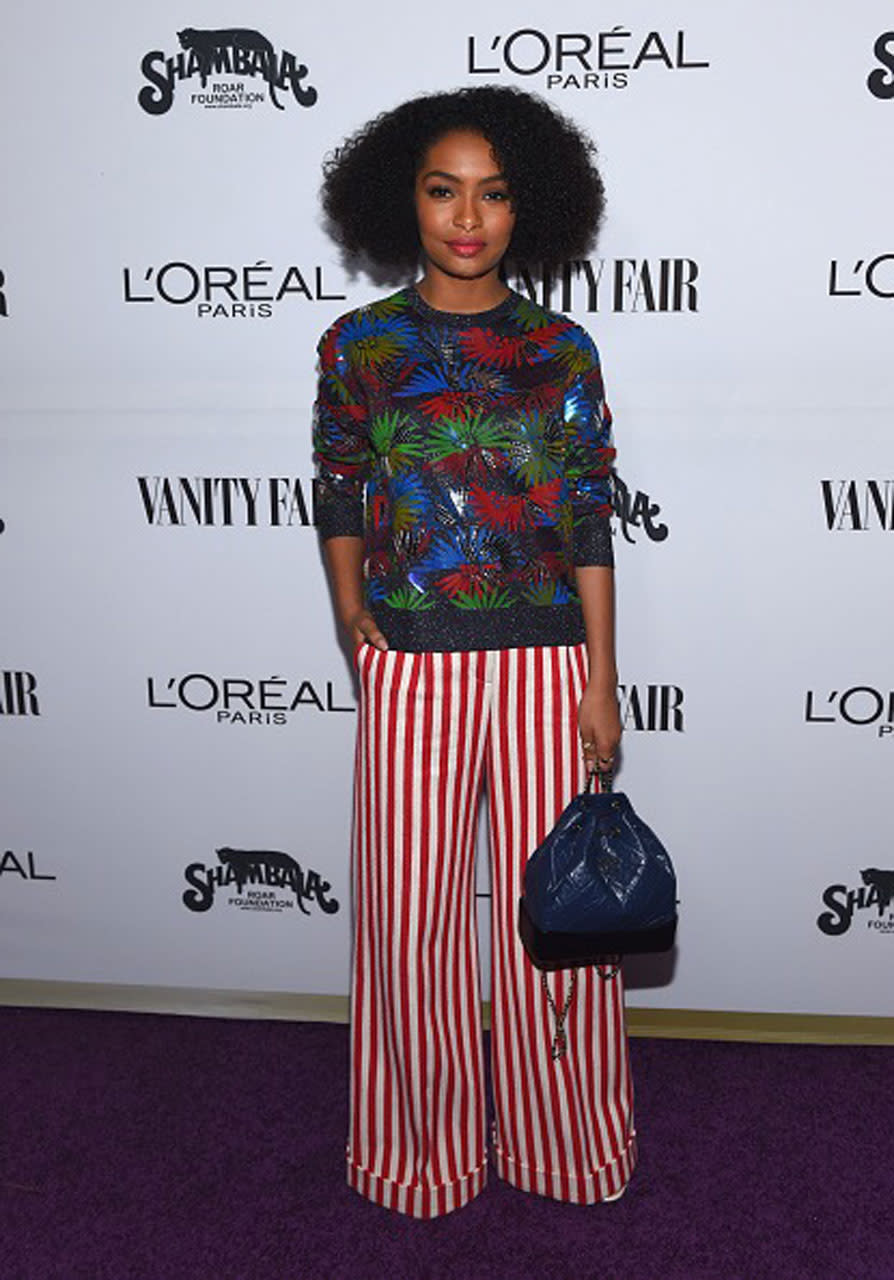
(342, 453)
(589, 455)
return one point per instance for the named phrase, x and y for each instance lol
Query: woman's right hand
(364, 630)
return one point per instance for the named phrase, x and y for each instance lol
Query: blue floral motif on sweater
(473, 454)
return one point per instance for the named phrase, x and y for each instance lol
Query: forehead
(461, 151)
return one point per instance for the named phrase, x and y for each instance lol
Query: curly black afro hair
(548, 163)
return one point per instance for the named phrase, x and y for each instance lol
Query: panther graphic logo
(883, 883)
(270, 866)
(207, 44)
(877, 890)
(224, 51)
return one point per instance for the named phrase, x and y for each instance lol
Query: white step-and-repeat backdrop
(171, 684)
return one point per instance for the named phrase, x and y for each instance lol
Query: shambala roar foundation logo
(876, 892)
(880, 82)
(263, 879)
(237, 53)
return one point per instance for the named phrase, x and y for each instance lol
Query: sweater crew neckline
(436, 315)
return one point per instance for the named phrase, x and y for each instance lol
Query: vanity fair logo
(274, 502)
(619, 285)
(874, 896)
(18, 694)
(853, 280)
(651, 708)
(227, 292)
(264, 880)
(858, 506)
(607, 59)
(245, 701)
(21, 866)
(236, 67)
(861, 706)
(880, 82)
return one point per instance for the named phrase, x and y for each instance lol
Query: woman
(464, 459)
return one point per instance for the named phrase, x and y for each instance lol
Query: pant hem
(417, 1199)
(589, 1189)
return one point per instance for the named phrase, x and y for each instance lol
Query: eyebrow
(452, 177)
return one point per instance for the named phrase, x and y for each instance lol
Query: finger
(606, 746)
(605, 764)
(370, 633)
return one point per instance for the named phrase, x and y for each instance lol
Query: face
(463, 208)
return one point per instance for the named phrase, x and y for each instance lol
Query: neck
(451, 293)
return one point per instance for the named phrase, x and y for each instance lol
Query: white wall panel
(757, 183)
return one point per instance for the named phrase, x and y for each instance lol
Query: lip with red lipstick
(465, 247)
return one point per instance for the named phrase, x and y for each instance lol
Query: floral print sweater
(473, 455)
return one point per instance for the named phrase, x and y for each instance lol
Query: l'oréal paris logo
(22, 866)
(608, 59)
(874, 276)
(860, 706)
(224, 291)
(242, 66)
(236, 700)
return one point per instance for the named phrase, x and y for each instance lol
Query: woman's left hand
(599, 721)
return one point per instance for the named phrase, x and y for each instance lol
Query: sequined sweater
(473, 455)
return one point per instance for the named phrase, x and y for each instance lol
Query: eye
(439, 192)
(497, 195)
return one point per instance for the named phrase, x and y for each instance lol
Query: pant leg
(562, 1128)
(417, 1129)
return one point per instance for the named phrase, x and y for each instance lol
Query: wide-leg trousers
(434, 728)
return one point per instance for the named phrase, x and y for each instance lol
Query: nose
(466, 214)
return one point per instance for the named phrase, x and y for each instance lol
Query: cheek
(427, 217)
(420, 206)
(507, 221)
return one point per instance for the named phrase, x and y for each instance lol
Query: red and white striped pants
(431, 727)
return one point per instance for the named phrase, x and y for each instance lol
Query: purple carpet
(163, 1148)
